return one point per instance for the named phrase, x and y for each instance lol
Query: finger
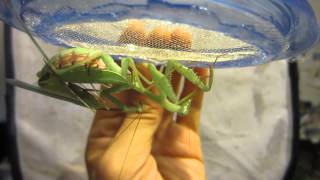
(192, 120)
(131, 147)
(168, 116)
(152, 111)
(103, 129)
(114, 134)
(107, 122)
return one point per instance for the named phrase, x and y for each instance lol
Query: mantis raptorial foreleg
(133, 75)
(190, 75)
(110, 64)
(127, 63)
(158, 79)
(162, 84)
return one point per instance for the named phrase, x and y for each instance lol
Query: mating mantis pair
(83, 66)
(64, 74)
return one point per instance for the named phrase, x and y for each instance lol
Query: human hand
(147, 145)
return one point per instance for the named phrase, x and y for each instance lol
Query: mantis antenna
(46, 58)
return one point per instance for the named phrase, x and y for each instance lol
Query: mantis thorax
(73, 58)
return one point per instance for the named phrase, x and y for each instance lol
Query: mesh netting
(233, 32)
(155, 40)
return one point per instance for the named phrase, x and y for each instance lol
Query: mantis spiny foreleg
(161, 83)
(158, 79)
(190, 75)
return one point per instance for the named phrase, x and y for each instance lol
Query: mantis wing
(90, 99)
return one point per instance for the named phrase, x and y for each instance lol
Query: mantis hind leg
(107, 93)
(189, 75)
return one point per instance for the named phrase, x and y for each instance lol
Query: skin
(147, 145)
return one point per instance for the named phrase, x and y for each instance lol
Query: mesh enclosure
(156, 41)
(230, 32)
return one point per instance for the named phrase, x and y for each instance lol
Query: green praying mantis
(64, 75)
(76, 66)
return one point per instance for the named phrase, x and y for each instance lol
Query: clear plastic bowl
(249, 32)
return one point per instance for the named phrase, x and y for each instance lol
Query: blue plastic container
(270, 30)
